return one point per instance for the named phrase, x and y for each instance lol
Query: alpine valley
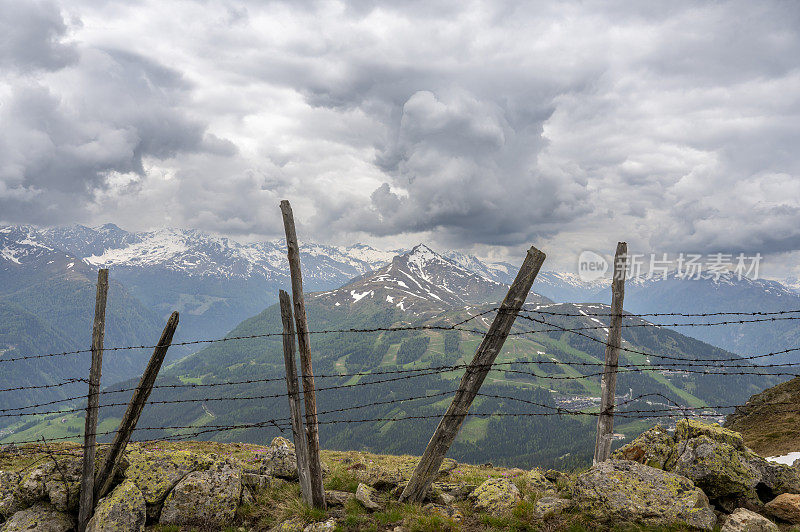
(440, 306)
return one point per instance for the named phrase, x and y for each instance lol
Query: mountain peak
(420, 281)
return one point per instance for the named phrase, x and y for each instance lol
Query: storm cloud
(487, 126)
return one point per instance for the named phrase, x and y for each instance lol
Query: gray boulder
(549, 505)
(717, 461)
(744, 520)
(337, 498)
(209, 498)
(10, 501)
(280, 460)
(496, 495)
(626, 491)
(366, 495)
(156, 473)
(31, 487)
(122, 510)
(41, 517)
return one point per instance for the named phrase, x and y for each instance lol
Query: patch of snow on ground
(8, 254)
(358, 297)
(787, 459)
(389, 299)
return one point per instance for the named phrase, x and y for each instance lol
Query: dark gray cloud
(490, 125)
(32, 36)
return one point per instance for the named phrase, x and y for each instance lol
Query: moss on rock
(123, 510)
(41, 517)
(156, 473)
(496, 495)
(686, 429)
(208, 497)
(626, 491)
(654, 447)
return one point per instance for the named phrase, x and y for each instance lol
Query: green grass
(51, 427)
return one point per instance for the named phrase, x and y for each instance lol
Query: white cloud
(489, 125)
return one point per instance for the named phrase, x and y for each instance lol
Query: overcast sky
(486, 126)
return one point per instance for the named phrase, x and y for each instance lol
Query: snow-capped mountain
(792, 283)
(419, 281)
(502, 272)
(214, 282)
(196, 253)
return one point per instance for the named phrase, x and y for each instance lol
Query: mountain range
(216, 282)
(407, 311)
(47, 280)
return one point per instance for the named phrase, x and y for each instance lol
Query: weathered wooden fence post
(473, 377)
(105, 475)
(608, 388)
(304, 346)
(293, 388)
(92, 402)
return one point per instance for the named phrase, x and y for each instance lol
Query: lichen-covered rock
(732, 475)
(716, 460)
(31, 487)
(786, 507)
(744, 520)
(280, 460)
(686, 429)
(622, 490)
(208, 497)
(718, 468)
(63, 485)
(548, 505)
(366, 495)
(41, 517)
(459, 491)
(256, 482)
(122, 510)
(654, 447)
(325, 526)
(10, 501)
(538, 482)
(774, 478)
(496, 495)
(156, 473)
(337, 498)
(448, 465)
(291, 525)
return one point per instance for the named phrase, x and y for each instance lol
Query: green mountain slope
(55, 314)
(770, 421)
(386, 408)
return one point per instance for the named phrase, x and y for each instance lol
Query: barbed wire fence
(539, 320)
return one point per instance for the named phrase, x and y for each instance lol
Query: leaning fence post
(304, 345)
(608, 388)
(140, 395)
(293, 388)
(473, 377)
(92, 402)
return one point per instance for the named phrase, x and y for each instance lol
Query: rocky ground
(702, 477)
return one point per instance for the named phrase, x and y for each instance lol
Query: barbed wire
(626, 314)
(449, 328)
(669, 357)
(683, 367)
(675, 411)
